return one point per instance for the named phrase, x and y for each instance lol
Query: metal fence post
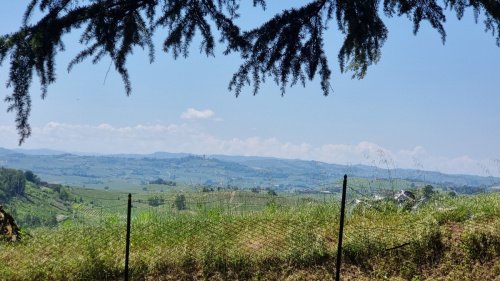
(341, 230)
(127, 245)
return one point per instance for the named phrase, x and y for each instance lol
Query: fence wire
(225, 229)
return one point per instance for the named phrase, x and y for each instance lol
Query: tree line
(12, 183)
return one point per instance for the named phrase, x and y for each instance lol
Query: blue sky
(424, 105)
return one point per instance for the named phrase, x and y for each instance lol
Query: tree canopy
(288, 48)
(12, 183)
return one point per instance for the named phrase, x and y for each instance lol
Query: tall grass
(381, 240)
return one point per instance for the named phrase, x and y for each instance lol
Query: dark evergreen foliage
(32, 177)
(12, 183)
(180, 202)
(156, 201)
(289, 48)
(163, 182)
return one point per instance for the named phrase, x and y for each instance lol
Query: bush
(272, 192)
(180, 202)
(30, 176)
(163, 182)
(156, 201)
(481, 245)
(63, 194)
(428, 191)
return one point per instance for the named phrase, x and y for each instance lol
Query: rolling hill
(125, 170)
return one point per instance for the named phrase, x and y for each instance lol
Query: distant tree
(157, 181)
(156, 201)
(30, 176)
(207, 189)
(12, 182)
(106, 187)
(54, 186)
(289, 47)
(428, 191)
(63, 194)
(180, 202)
(163, 182)
(272, 192)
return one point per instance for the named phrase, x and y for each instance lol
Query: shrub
(481, 245)
(156, 201)
(180, 202)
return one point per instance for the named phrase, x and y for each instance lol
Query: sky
(424, 105)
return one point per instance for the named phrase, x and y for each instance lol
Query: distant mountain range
(122, 170)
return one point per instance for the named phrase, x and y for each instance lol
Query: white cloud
(147, 138)
(192, 113)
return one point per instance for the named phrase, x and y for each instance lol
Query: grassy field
(244, 236)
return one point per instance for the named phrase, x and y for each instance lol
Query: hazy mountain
(42, 151)
(131, 169)
(364, 171)
(4, 151)
(155, 155)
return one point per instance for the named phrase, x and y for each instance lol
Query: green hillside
(33, 202)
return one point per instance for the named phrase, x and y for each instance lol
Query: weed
(481, 244)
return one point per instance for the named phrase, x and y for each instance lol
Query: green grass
(292, 239)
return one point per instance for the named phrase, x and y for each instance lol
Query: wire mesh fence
(233, 231)
(215, 229)
(226, 228)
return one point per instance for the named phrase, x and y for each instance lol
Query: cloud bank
(108, 139)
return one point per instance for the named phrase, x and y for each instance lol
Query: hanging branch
(289, 48)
